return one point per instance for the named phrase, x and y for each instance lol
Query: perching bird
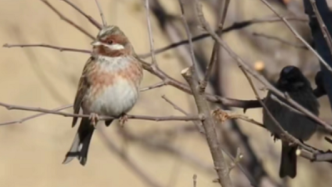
(297, 86)
(109, 86)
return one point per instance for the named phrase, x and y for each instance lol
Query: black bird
(298, 87)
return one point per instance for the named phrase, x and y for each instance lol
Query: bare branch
(191, 76)
(93, 21)
(158, 85)
(220, 163)
(244, 66)
(237, 159)
(279, 40)
(61, 49)
(162, 75)
(34, 116)
(308, 151)
(137, 117)
(223, 116)
(176, 107)
(235, 26)
(191, 46)
(64, 18)
(326, 33)
(151, 42)
(101, 13)
(216, 48)
(297, 35)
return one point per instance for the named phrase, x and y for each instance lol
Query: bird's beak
(96, 43)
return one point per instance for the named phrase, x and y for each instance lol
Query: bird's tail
(80, 146)
(288, 161)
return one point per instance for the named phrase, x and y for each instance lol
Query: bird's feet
(275, 137)
(123, 119)
(94, 119)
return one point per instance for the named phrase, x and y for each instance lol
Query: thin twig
(157, 85)
(137, 117)
(151, 41)
(70, 22)
(209, 125)
(61, 49)
(101, 13)
(34, 116)
(216, 48)
(323, 28)
(279, 40)
(93, 21)
(160, 74)
(237, 159)
(223, 116)
(176, 107)
(191, 76)
(235, 26)
(191, 46)
(247, 70)
(183, 87)
(297, 35)
(267, 84)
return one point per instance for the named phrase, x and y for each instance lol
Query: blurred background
(144, 153)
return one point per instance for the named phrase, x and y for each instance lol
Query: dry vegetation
(150, 152)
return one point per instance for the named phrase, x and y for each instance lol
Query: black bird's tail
(288, 161)
(80, 146)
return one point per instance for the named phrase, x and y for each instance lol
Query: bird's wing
(83, 86)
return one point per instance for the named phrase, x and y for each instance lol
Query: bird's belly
(113, 100)
(297, 125)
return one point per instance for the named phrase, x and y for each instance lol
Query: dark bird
(297, 86)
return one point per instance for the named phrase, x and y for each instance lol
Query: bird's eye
(110, 42)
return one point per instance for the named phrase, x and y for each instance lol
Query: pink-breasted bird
(109, 86)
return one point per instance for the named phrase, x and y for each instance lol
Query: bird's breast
(296, 124)
(114, 86)
(112, 100)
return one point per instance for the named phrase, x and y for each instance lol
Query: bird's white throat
(115, 47)
(113, 64)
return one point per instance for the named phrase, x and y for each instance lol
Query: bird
(108, 86)
(297, 86)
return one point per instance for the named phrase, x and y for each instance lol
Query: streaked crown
(111, 41)
(109, 30)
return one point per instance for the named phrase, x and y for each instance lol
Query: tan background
(31, 153)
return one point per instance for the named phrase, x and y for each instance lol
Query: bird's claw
(123, 119)
(275, 137)
(94, 119)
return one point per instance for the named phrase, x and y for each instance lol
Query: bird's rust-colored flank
(101, 78)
